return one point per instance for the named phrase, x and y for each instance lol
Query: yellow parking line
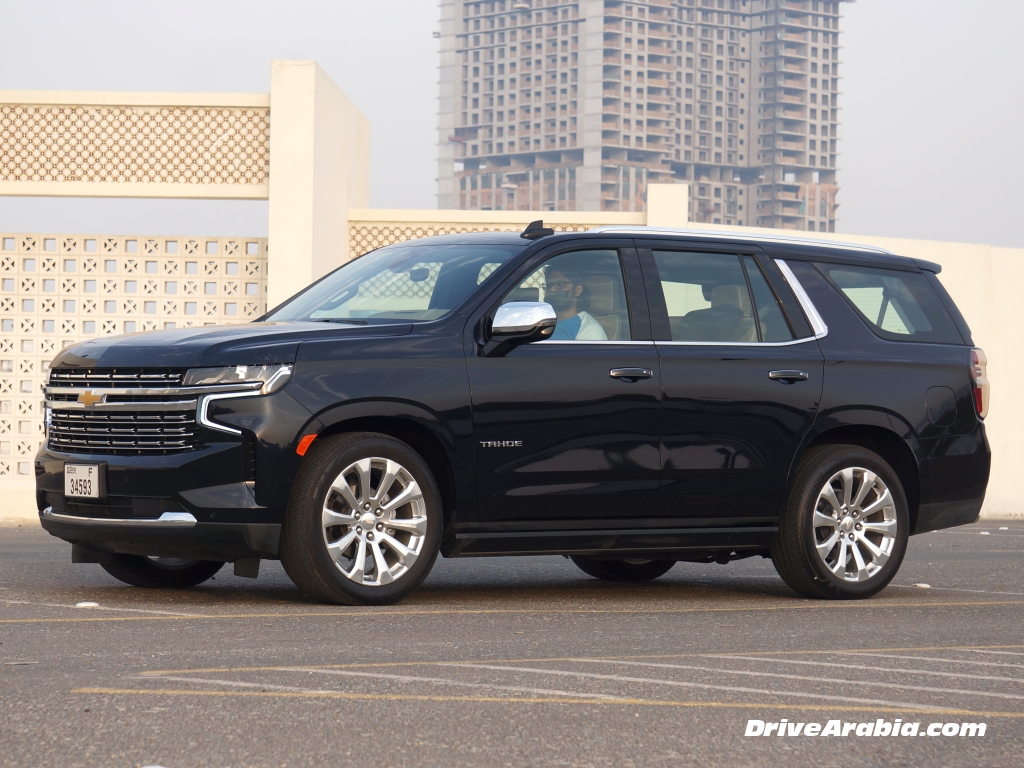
(378, 664)
(624, 702)
(446, 612)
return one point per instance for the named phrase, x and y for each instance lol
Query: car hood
(248, 344)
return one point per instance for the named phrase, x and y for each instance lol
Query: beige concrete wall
(320, 151)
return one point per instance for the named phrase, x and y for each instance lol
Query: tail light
(979, 378)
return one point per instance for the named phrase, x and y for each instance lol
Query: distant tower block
(578, 105)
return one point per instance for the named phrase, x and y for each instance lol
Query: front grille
(124, 432)
(116, 377)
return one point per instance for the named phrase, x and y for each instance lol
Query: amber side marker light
(304, 444)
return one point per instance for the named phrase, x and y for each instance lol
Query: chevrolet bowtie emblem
(90, 398)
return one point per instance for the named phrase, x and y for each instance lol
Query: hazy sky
(930, 142)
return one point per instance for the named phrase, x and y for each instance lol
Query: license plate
(82, 481)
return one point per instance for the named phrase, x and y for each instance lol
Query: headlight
(273, 377)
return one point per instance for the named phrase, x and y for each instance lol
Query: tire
(162, 572)
(813, 552)
(629, 569)
(323, 534)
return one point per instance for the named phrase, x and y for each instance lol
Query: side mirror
(519, 322)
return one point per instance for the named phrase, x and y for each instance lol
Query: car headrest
(731, 296)
(602, 294)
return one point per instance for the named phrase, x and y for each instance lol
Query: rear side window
(900, 306)
(708, 298)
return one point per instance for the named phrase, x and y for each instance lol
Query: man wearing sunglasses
(568, 296)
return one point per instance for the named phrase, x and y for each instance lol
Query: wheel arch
(887, 444)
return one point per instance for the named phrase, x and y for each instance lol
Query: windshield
(400, 282)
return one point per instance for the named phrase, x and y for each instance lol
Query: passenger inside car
(587, 292)
(568, 294)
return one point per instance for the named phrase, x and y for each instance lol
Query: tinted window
(400, 282)
(587, 292)
(770, 319)
(901, 306)
(708, 299)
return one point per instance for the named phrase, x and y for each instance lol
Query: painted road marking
(845, 665)
(552, 700)
(812, 605)
(377, 664)
(928, 658)
(399, 678)
(690, 684)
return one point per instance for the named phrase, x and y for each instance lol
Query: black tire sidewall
(343, 456)
(140, 571)
(808, 497)
(622, 570)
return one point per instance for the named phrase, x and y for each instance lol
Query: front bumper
(173, 534)
(194, 504)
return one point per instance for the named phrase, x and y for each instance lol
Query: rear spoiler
(928, 266)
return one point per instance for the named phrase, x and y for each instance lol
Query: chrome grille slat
(138, 424)
(112, 376)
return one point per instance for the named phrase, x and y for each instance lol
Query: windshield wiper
(347, 320)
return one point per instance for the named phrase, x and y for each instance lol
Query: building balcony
(661, 66)
(657, 98)
(783, 98)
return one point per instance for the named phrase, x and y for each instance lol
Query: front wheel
(844, 530)
(364, 521)
(160, 572)
(628, 569)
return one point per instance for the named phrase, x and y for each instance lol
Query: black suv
(629, 397)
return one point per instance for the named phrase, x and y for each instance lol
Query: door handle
(788, 377)
(630, 374)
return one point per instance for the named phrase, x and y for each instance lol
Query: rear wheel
(364, 521)
(160, 572)
(843, 532)
(628, 569)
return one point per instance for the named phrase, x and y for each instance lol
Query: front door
(740, 388)
(566, 431)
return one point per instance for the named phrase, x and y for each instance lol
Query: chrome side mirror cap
(519, 322)
(519, 317)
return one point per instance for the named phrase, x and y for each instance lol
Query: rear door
(742, 377)
(566, 431)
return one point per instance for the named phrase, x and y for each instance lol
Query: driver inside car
(567, 295)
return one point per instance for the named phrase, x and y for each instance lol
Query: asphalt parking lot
(509, 662)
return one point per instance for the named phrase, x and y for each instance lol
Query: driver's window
(587, 292)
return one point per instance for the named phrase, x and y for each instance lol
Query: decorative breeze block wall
(140, 144)
(56, 290)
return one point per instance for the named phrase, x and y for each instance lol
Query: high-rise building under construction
(579, 104)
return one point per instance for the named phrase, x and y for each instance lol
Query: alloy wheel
(854, 524)
(374, 521)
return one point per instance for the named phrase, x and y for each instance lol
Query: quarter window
(897, 305)
(587, 292)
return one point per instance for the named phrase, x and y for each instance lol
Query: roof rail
(705, 234)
